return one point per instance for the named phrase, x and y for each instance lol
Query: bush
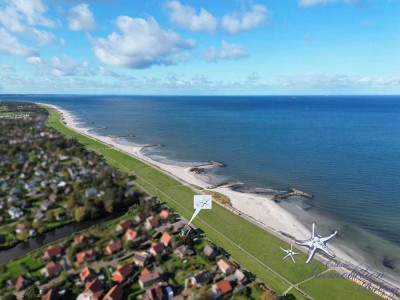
(31, 293)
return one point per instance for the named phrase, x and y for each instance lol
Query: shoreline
(260, 210)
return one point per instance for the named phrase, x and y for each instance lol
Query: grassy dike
(254, 248)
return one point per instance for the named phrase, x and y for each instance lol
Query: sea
(344, 150)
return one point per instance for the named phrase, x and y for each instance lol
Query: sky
(200, 47)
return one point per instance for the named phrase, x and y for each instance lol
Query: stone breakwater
(290, 193)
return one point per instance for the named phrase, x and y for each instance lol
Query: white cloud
(227, 51)
(81, 18)
(248, 20)
(35, 60)
(21, 16)
(61, 66)
(186, 16)
(18, 12)
(9, 45)
(67, 66)
(140, 43)
(317, 2)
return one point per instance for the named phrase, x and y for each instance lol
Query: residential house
(159, 293)
(93, 291)
(130, 235)
(123, 225)
(51, 269)
(53, 252)
(52, 294)
(38, 216)
(115, 293)
(19, 228)
(90, 193)
(157, 248)
(151, 223)
(164, 215)
(60, 216)
(225, 267)
(18, 283)
(113, 247)
(166, 239)
(85, 256)
(222, 289)
(183, 252)
(15, 213)
(82, 238)
(141, 258)
(45, 205)
(141, 217)
(240, 277)
(87, 274)
(201, 279)
(148, 279)
(209, 252)
(122, 273)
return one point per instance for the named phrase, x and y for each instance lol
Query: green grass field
(255, 249)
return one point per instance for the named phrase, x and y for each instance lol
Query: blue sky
(200, 47)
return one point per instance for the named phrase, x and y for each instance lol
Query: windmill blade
(292, 258)
(284, 250)
(286, 256)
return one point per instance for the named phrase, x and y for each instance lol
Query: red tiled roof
(53, 251)
(81, 238)
(94, 288)
(50, 295)
(164, 214)
(114, 246)
(53, 268)
(223, 265)
(145, 271)
(130, 235)
(122, 273)
(84, 256)
(224, 286)
(115, 293)
(85, 273)
(149, 276)
(18, 282)
(123, 225)
(157, 247)
(166, 238)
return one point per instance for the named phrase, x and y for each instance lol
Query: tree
(31, 293)
(80, 213)
(290, 297)
(10, 297)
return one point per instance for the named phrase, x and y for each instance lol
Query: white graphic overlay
(317, 242)
(289, 253)
(201, 202)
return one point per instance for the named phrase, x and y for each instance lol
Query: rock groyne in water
(290, 193)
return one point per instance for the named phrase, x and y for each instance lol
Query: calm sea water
(344, 150)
